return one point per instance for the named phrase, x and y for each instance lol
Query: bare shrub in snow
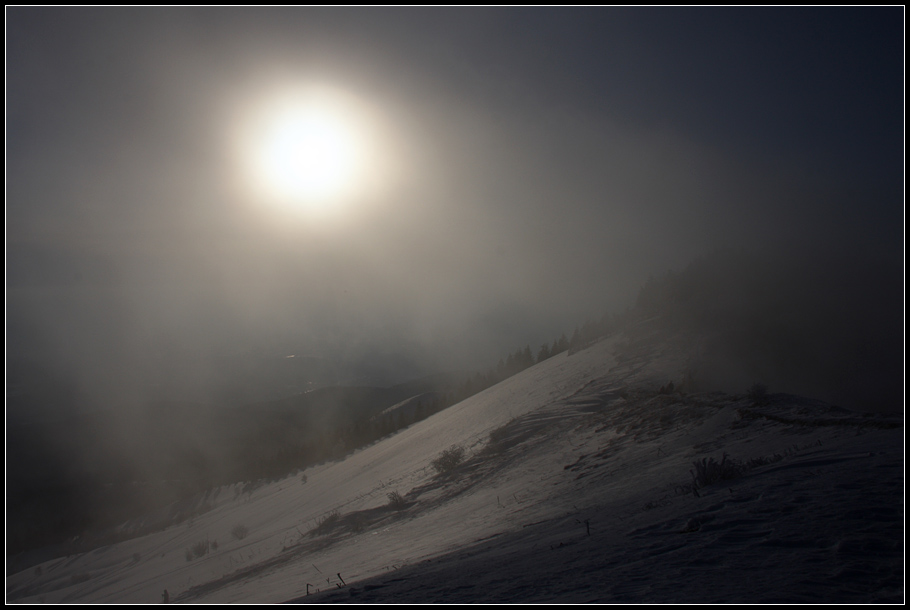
(240, 532)
(497, 440)
(198, 550)
(396, 501)
(325, 523)
(708, 471)
(449, 460)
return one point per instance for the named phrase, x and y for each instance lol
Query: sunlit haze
(306, 149)
(188, 187)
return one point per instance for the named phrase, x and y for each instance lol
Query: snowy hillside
(582, 481)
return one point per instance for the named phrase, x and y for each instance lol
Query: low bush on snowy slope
(325, 523)
(201, 548)
(447, 461)
(396, 501)
(708, 471)
(240, 532)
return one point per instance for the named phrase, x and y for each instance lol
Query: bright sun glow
(306, 150)
(307, 154)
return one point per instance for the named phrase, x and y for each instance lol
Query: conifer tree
(527, 358)
(575, 341)
(544, 353)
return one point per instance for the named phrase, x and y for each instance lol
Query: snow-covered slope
(576, 487)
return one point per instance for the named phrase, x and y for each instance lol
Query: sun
(307, 154)
(306, 150)
(313, 151)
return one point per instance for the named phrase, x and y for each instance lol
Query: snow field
(583, 495)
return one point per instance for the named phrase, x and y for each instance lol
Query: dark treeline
(523, 358)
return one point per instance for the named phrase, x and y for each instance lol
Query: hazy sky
(527, 168)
